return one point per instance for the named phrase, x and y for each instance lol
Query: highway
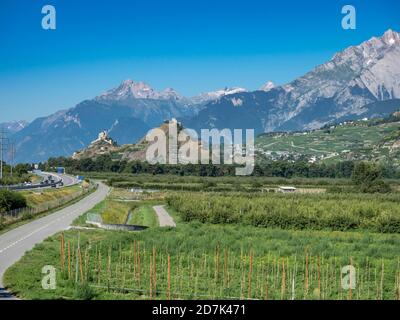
(14, 243)
(65, 179)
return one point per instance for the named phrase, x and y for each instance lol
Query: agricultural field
(336, 212)
(217, 251)
(217, 184)
(203, 261)
(343, 142)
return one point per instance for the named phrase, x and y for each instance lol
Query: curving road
(66, 179)
(15, 243)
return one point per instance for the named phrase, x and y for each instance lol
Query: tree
(368, 178)
(10, 200)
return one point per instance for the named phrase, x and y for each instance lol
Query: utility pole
(12, 156)
(3, 145)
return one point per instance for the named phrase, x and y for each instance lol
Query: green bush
(84, 292)
(10, 200)
(367, 177)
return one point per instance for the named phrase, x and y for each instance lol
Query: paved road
(15, 243)
(163, 217)
(66, 179)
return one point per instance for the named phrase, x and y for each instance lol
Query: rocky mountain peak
(267, 86)
(391, 37)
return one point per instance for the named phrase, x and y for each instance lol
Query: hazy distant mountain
(67, 131)
(13, 126)
(352, 79)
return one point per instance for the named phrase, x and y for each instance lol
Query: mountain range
(345, 87)
(361, 81)
(13, 126)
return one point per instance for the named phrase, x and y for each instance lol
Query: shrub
(84, 292)
(10, 200)
(367, 177)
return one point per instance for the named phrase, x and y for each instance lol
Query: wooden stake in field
(216, 263)
(350, 289)
(283, 284)
(69, 259)
(86, 263)
(382, 276)
(79, 259)
(398, 280)
(225, 267)
(294, 278)
(134, 260)
(169, 278)
(62, 257)
(99, 268)
(306, 278)
(138, 262)
(80, 264)
(154, 270)
(319, 276)
(250, 275)
(109, 267)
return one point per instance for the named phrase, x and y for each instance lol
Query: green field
(211, 261)
(124, 207)
(210, 255)
(336, 212)
(144, 215)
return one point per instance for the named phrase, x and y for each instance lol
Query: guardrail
(32, 186)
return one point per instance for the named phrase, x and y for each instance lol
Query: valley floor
(206, 260)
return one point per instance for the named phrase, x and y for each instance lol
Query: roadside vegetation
(40, 196)
(10, 200)
(17, 207)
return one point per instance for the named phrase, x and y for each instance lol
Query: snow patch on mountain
(267, 86)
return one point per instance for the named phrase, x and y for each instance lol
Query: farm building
(287, 189)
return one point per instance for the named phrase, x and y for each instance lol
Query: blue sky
(193, 46)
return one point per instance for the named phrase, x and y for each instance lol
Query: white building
(287, 189)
